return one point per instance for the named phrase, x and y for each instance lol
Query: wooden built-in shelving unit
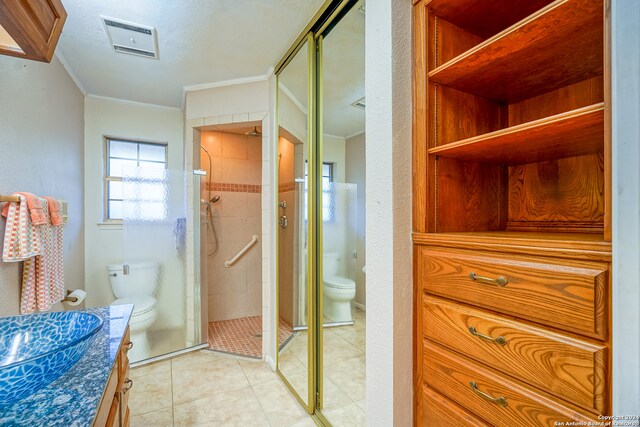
(534, 56)
(511, 210)
(574, 133)
(493, 17)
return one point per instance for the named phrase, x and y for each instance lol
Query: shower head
(254, 132)
(214, 199)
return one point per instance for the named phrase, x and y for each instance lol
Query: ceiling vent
(360, 103)
(134, 39)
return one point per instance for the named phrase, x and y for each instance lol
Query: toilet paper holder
(75, 297)
(69, 298)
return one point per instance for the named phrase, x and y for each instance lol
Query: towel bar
(9, 199)
(16, 199)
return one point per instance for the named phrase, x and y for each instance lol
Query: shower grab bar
(233, 260)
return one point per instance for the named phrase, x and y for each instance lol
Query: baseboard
(360, 306)
(270, 362)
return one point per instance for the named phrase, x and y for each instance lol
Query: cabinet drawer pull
(128, 346)
(127, 385)
(500, 281)
(498, 340)
(502, 401)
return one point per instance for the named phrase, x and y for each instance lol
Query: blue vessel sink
(36, 349)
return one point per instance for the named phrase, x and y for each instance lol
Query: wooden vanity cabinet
(31, 29)
(511, 211)
(114, 407)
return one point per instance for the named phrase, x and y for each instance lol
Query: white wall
(292, 116)
(388, 236)
(269, 248)
(117, 118)
(334, 152)
(355, 172)
(41, 152)
(228, 100)
(626, 206)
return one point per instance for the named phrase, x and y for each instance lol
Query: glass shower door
(156, 258)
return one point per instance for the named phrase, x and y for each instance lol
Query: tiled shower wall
(286, 237)
(236, 291)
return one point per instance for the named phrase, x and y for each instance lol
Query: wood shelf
(485, 18)
(536, 55)
(574, 133)
(589, 246)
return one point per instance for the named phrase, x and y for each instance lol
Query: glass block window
(122, 157)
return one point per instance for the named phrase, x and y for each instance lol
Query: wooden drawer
(107, 400)
(127, 419)
(455, 377)
(568, 368)
(113, 419)
(124, 374)
(124, 402)
(566, 294)
(124, 396)
(123, 358)
(438, 411)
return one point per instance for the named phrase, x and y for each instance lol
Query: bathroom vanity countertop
(73, 399)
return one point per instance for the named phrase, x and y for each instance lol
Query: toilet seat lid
(338, 282)
(142, 304)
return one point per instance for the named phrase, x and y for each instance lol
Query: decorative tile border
(234, 188)
(287, 186)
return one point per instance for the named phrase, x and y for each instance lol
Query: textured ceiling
(209, 41)
(342, 76)
(200, 42)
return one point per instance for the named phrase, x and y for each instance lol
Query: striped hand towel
(21, 237)
(43, 275)
(34, 203)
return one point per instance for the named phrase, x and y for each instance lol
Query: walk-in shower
(231, 208)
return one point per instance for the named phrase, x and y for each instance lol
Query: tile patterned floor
(344, 370)
(204, 388)
(209, 389)
(242, 336)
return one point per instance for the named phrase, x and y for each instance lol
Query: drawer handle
(498, 340)
(500, 281)
(502, 401)
(128, 384)
(128, 346)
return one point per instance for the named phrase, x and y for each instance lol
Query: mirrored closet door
(294, 296)
(321, 199)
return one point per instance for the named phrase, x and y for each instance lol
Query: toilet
(137, 288)
(338, 291)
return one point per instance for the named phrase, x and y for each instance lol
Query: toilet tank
(141, 280)
(330, 264)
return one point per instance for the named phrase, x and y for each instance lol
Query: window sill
(110, 226)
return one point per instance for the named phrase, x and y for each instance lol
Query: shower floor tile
(242, 336)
